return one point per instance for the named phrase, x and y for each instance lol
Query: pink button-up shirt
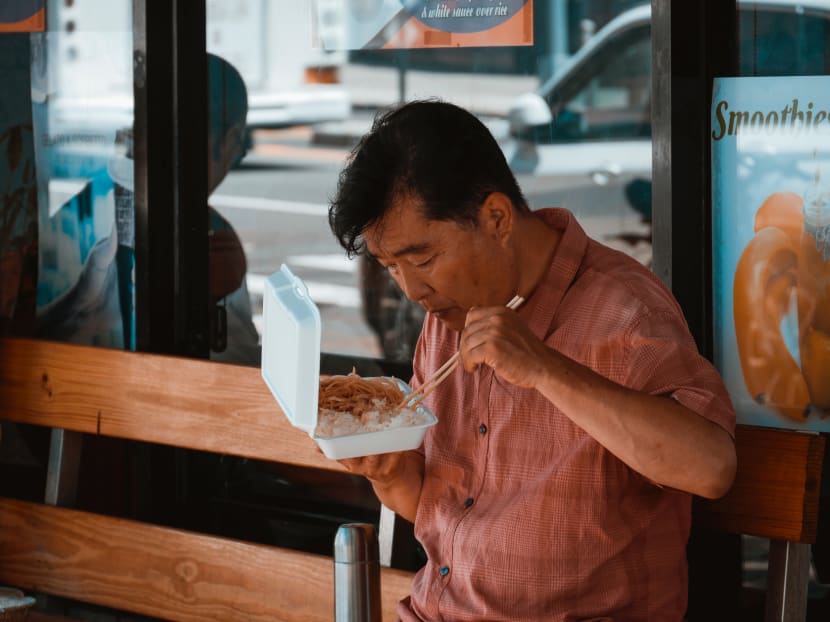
(523, 515)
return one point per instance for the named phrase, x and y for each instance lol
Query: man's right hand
(396, 478)
(380, 469)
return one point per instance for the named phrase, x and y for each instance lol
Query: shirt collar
(540, 309)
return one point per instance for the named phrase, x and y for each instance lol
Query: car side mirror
(528, 111)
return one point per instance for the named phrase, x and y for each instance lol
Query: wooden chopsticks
(443, 372)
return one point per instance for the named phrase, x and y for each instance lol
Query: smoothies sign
(771, 247)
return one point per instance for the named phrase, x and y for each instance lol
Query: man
(557, 483)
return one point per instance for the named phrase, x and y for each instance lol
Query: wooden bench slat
(39, 616)
(169, 400)
(776, 489)
(168, 573)
(28, 393)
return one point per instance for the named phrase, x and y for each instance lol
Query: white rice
(332, 423)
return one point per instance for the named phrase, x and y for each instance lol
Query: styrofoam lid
(291, 347)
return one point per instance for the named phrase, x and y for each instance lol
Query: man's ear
(497, 215)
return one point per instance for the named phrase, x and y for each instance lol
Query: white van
(278, 48)
(289, 54)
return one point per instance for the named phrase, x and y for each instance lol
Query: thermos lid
(355, 543)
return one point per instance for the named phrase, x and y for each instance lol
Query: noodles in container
(347, 416)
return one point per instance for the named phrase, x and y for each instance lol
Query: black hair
(434, 152)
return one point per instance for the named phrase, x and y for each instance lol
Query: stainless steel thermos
(356, 574)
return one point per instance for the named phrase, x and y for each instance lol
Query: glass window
(78, 123)
(307, 107)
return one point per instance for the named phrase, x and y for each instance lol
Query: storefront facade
(158, 171)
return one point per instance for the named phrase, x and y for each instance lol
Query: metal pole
(559, 28)
(356, 574)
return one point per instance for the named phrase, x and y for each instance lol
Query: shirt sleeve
(662, 359)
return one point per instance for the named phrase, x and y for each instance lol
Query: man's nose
(414, 287)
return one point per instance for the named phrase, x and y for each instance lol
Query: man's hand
(381, 469)
(396, 478)
(497, 337)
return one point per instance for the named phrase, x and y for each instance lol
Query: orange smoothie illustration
(770, 191)
(786, 263)
(814, 297)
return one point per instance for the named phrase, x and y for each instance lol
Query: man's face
(444, 267)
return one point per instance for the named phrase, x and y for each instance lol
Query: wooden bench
(142, 568)
(775, 496)
(183, 576)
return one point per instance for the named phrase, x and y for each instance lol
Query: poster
(22, 15)
(770, 140)
(409, 24)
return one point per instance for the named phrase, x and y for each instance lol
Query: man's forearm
(655, 436)
(402, 493)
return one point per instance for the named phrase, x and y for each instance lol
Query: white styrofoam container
(291, 369)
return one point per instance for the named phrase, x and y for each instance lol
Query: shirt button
(468, 502)
(482, 428)
(444, 571)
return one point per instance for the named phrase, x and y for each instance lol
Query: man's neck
(537, 244)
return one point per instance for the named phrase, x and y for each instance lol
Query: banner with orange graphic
(408, 24)
(770, 141)
(22, 15)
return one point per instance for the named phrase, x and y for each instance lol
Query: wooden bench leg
(61, 488)
(396, 541)
(787, 576)
(62, 473)
(386, 535)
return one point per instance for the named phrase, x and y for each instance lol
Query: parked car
(582, 140)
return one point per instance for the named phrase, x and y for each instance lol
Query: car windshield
(607, 97)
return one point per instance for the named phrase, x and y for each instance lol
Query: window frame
(171, 122)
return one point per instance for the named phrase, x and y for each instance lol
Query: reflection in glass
(18, 190)
(83, 109)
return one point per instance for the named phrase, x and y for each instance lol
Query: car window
(609, 97)
(782, 42)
